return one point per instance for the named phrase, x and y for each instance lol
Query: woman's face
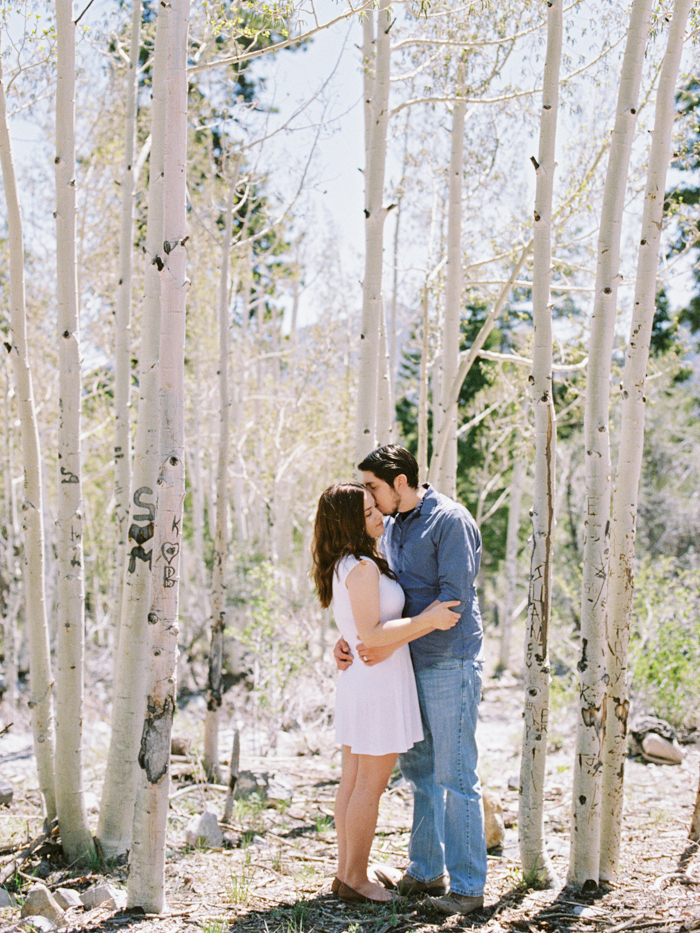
(374, 520)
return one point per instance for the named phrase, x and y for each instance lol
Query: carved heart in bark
(170, 551)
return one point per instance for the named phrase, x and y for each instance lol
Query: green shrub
(664, 656)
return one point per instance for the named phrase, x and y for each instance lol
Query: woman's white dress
(376, 708)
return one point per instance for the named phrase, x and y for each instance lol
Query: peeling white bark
(533, 852)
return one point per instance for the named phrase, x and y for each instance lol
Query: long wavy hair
(339, 530)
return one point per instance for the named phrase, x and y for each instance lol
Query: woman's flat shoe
(350, 895)
(335, 885)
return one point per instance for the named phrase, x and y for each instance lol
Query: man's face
(386, 497)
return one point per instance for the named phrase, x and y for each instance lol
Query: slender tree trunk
(146, 885)
(533, 851)
(41, 681)
(629, 467)
(468, 357)
(119, 791)
(122, 367)
(510, 564)
(377, 65)
(443, 467)
(70, 611)
(218, 596)
(423, 387)
(584, 860)
(385, 399)
(694, 832)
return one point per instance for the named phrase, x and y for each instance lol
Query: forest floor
(273, 873)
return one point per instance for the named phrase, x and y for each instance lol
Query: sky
(322, 85)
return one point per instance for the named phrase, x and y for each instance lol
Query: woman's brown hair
(339, 530)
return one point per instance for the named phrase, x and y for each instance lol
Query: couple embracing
(420, 703)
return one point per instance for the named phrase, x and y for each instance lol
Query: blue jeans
(448, 818)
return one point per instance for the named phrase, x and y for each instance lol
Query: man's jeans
(448, 818)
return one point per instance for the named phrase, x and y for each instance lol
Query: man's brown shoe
(409, 886)
(456, 904)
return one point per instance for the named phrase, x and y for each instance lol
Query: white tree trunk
(41, 682)
(377, 65)
(586, 823)
(423, 387)
(70, 610)
(119, 791)
(122, 323)
(467, 358)
(146, 884)
(629, 467)
(443, 467)
(533, 852)
(510, 563)
(218, 595)
(385, 398)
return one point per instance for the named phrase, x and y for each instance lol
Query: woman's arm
(376, 655)
(363, 587)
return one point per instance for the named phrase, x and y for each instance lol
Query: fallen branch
(27, 852)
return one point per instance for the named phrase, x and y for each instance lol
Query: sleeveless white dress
(376, 708)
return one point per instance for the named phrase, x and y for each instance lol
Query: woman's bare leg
(372, 775)
(345, 789)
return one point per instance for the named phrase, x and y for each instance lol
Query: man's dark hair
(390, 461)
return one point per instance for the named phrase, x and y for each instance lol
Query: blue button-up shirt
(435, 552)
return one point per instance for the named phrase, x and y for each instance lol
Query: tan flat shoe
(351, 896)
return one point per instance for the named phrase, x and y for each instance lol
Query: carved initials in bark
(140, 533)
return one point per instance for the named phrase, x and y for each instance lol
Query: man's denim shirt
(435, 552)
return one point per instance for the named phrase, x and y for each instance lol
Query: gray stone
(7, 792)
(67, 898)
(493, 820)
(6, 899)
(104, 895)
(40, 924)
(41, 902)
(660, 750)
(249, 783)
(280, 789)
(204, 830)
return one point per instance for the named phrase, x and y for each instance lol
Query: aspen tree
(218, 586)
(443, 468)
(115, 823)
(146, 884)
(41, 681)
(586, 822)
(122, 318)
(510, 563)
(533, 851)
(376, 53)
(629, 466)
(70, 610)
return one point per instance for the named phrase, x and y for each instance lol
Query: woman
(376, 712)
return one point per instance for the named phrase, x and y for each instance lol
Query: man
(434, 547)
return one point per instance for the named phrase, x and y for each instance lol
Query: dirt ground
(273, 874)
